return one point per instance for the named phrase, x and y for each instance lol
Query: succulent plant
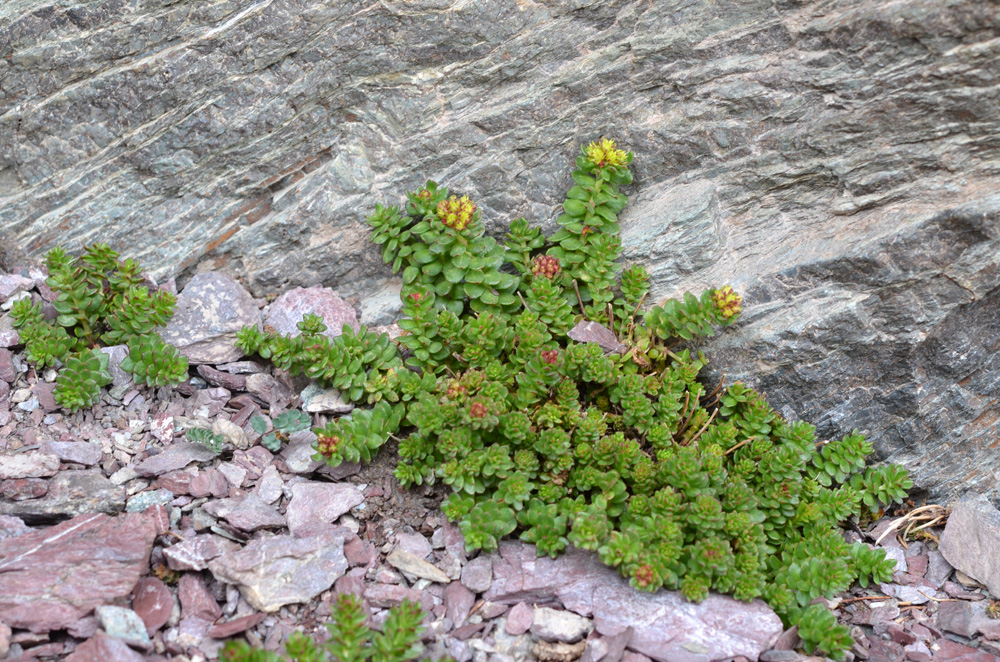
(79, 384)
(153, 361)
(613, 447)
(101, 300)
(284, 424)
(349, 640)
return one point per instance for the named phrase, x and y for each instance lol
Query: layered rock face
(836, 161)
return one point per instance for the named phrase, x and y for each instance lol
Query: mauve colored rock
(70, 493)
(116, 354)
(207, 402)
(268, 391)
(175, 456)
(12, 527)
(971, 538)
(270, 485)
(206, 483)
(458, 602)
(314, 502)
(196, 601)
(19, 489)
(33, 464)
(45, 392)
(519, 619)
(11, 284)
(80, 452)
(288, 310)
(667, 627)
(254, 460)
(477, 575)
(7, 371)
(247, 513)
(235, 626)
(9, 338)
(280, 570)
(390, 595)
(52, 578)
(415, 544)
(153, 601)
(210, 310)
(359, 552)
(195, 553)
(178, 482)
(224, 379)
(102, 648)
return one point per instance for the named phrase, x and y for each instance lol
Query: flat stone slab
(281, 570)
(247, 513)
(210, 310)
(52, 578)
(971, 539)
(33, 464)
(70, 493)
(176, 456)
(315, 503)
(667, 627)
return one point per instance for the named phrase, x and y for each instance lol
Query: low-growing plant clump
(553, 406)
(350, 640)
(101, 302)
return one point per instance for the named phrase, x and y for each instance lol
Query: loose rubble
(121, 540)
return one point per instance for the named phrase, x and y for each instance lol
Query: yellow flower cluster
(456, 212)
(728, 302)
(603, 152)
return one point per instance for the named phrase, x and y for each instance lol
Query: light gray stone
(124, 624)
(280, 570)
(316, 399)
(144, 500)
(558, 625)
(70, 493)
(210, 310)
(413, 564)
(233, 433)
(33, 464)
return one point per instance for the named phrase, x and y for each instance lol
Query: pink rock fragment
(153, 601)
(314, 502)
(289, 309)
(520, 619)
(235, 626)
(666, 626)
(208, 483)
(195, 553)
(52, 578)
(196, 601)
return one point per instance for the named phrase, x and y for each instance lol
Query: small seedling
(284, 424)
(207, 437)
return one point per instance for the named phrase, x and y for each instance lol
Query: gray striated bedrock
(837, 161)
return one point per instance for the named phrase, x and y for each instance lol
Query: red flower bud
(545, 266)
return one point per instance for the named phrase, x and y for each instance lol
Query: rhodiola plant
(556, 404)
